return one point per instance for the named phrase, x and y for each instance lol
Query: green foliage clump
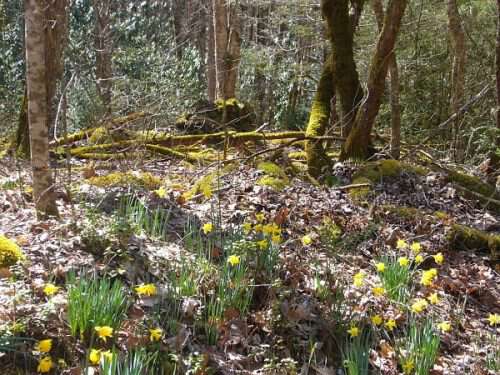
(10, 253)
(330, 233)
(396, 280)
(275, 177)
(144, 180)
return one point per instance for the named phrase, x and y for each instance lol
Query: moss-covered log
(189, 156)
(317, 159)
(461, 237)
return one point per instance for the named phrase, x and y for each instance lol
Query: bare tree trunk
(358, 144)
(38, 115)
(211, 71)
(227, 47)
(181, 19)
(103, 44)
(457, 37)
(498, 73)
(378, 9)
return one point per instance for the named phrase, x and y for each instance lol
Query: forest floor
(252, 279)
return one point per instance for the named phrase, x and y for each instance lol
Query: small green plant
(419, 349)
(353, 240)
(94, 236)
(12, 343)
(94, 302)
(137, 362)
(330, 234)
(356, 353)
(493, 353)
(396, 280)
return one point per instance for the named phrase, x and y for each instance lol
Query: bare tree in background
(103, 44)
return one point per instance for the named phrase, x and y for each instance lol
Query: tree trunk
(358, 144)
(38, 115)
(181, 19)
(498, 73)
(211, 71)
(227, 47)
(23, 133)
(103, 44)
(378, 9)
(457, 37)
(341, 33)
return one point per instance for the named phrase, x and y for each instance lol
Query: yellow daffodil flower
(359, 279)
(257, 228)
(403, 262)
(419, 305)
(444, 327)
(104, 332)
(433, 298)
(44, 346)
(354, 331)
(233, 260)
(416, 247)
(408, 367)
(276, 239)
(161, 192)
(260, 217)
(247, 228)
(428, 277)
(146, 290)
(419, 259)
(378, 291)
(376, 320)
(494, 319)
(390, 324)
(438, 258)
(401, 244)
(108, 355)
(50, 289)
(207, 228)
(155, 334)
(95, 356)
(45, 365)
(262, 244)
(306, 240)
(380, 267)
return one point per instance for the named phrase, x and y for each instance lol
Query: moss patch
(10, 253)
(275, 177)
(143, 180)
(461, 237)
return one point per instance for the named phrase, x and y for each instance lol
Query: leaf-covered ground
(301, 265)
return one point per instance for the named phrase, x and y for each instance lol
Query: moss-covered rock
(10, 253)
(461, 237)
(143, 180)
(275, 177)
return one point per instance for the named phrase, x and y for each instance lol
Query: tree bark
(457, 37)
(498, 73)
(103, 44)
(38, 114)
(211, 71)
(227, 47)
(358, 144)
(378, 9)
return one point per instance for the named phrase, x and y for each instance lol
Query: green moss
(100, 135)
(461, 237)
(144, 180)
(474, 184)
(360, 193)
(274, 182)
(10, 253)
(377, 171)
(441, 215)
(271, 169)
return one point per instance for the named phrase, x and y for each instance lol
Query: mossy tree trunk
(319, 120)
(358, 144)
(395, 87)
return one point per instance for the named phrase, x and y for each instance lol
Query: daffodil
(378, 291)
(45, 365)
(380, 267)
(260, 217)
(306, 240)
(433, 298)
(207, 228)
(376, 320)
(146, 290)
(419, 259)
(94, 356)
(416, 247)
(419, 305)
(257, 228)
(438, 258)
(354, 331)
(444, 326)
(44, 346)
(155, 334)
(428, 277)
(276, 239)
(390, 324)
(403, 262)
(359, 279)
(104, 332)
(408, 366)
(267, 229)
(161, 192)
(247, 228)
(401, 244)
(50, 289)
(262, 244)
(233, 260)
(494, 319)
